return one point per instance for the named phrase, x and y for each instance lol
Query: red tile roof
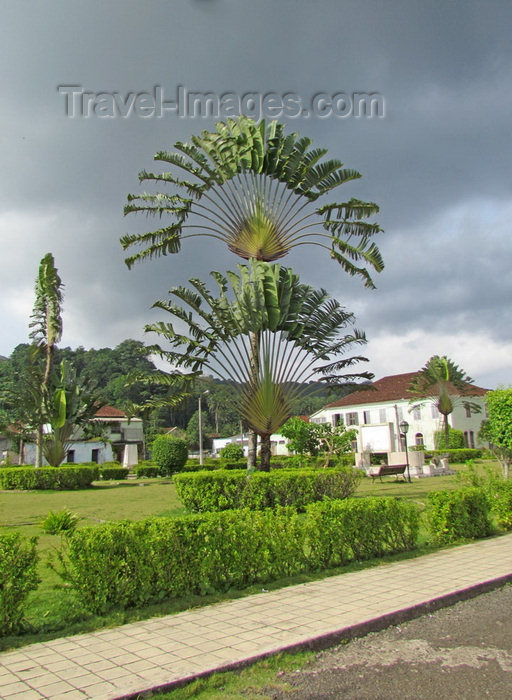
(109, 412)
(392, 388)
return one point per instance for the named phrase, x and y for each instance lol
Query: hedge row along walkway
(121, 662)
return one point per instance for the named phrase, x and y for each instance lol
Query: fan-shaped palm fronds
(442, 383)
(302, 334)
(254, 188)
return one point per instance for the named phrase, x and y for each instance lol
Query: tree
(444, 383)
(497, 430)
(255, 189)
(299, 328)
(169, 453)
(302, 438)
(334, 440)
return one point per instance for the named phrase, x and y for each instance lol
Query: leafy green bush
(232, 451)
(223, 490)
(501, 503)
(169, 453)
(60, 521)
(113, 465)
(359, 528)
(18, 576)
(461, 514)
(119, 565)
(455, 455)
(455, 439)
(232, 464)
(194, 465)
(147, 471)
(113, 473)
(30, 478)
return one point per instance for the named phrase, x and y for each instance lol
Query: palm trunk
(446, 432)
(265, 453)
(252, 438)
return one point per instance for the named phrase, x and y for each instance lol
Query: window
(435, 412)
(418, 440)
(95, 456)
(71, 456)
(337, 419)
(366, 417)
(468, 411)
(352, 419)
(382, 415)
(416, 413)
(471, 439)
(466, 439)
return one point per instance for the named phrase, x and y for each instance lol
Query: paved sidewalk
(120, 662)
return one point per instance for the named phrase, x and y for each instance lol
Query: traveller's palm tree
(298, 327)
(443, 382)
(256, 189)
(259, 191)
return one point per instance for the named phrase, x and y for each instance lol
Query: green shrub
(194, 465)
(501, 503)
(120, 565)
(30, 478)
(18, 576)
(113, 465)
(232, 451)
(205, 491)
(60, 521)
(147, 471)
(223, 489)
(232, 464)
(455, 515)
(455, 455)
(455, 440)
(113, 473)
(359, 528)
(169, 453)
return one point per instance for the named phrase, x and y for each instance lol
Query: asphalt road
(462, 652)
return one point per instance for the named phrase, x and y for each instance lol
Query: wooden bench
(388, 470)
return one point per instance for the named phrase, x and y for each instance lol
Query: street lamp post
(404, 427)
(200, 415)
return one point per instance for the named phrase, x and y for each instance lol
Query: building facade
(376, 413)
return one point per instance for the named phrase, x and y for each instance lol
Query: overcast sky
(438, 161)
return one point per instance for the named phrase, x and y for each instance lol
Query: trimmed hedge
(147, 471)
(114, 473)
(359, 528)
(30, 478)
(123, 564)
(169, 453)
(501, 503)
(455, 455)
(223, 490)
(18, 576)
(461, 514)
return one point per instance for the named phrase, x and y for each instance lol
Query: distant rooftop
(395, 387)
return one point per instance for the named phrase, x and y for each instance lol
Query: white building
(278, 444)
(377, 411)
(123, 441)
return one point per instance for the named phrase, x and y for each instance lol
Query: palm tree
(299, 331)
(256, 189)
(442, 381)
(47, 332)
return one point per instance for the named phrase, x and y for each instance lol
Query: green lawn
(52, 610)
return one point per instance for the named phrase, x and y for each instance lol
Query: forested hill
(108, 369)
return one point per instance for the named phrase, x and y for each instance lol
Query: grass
(52, 610)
